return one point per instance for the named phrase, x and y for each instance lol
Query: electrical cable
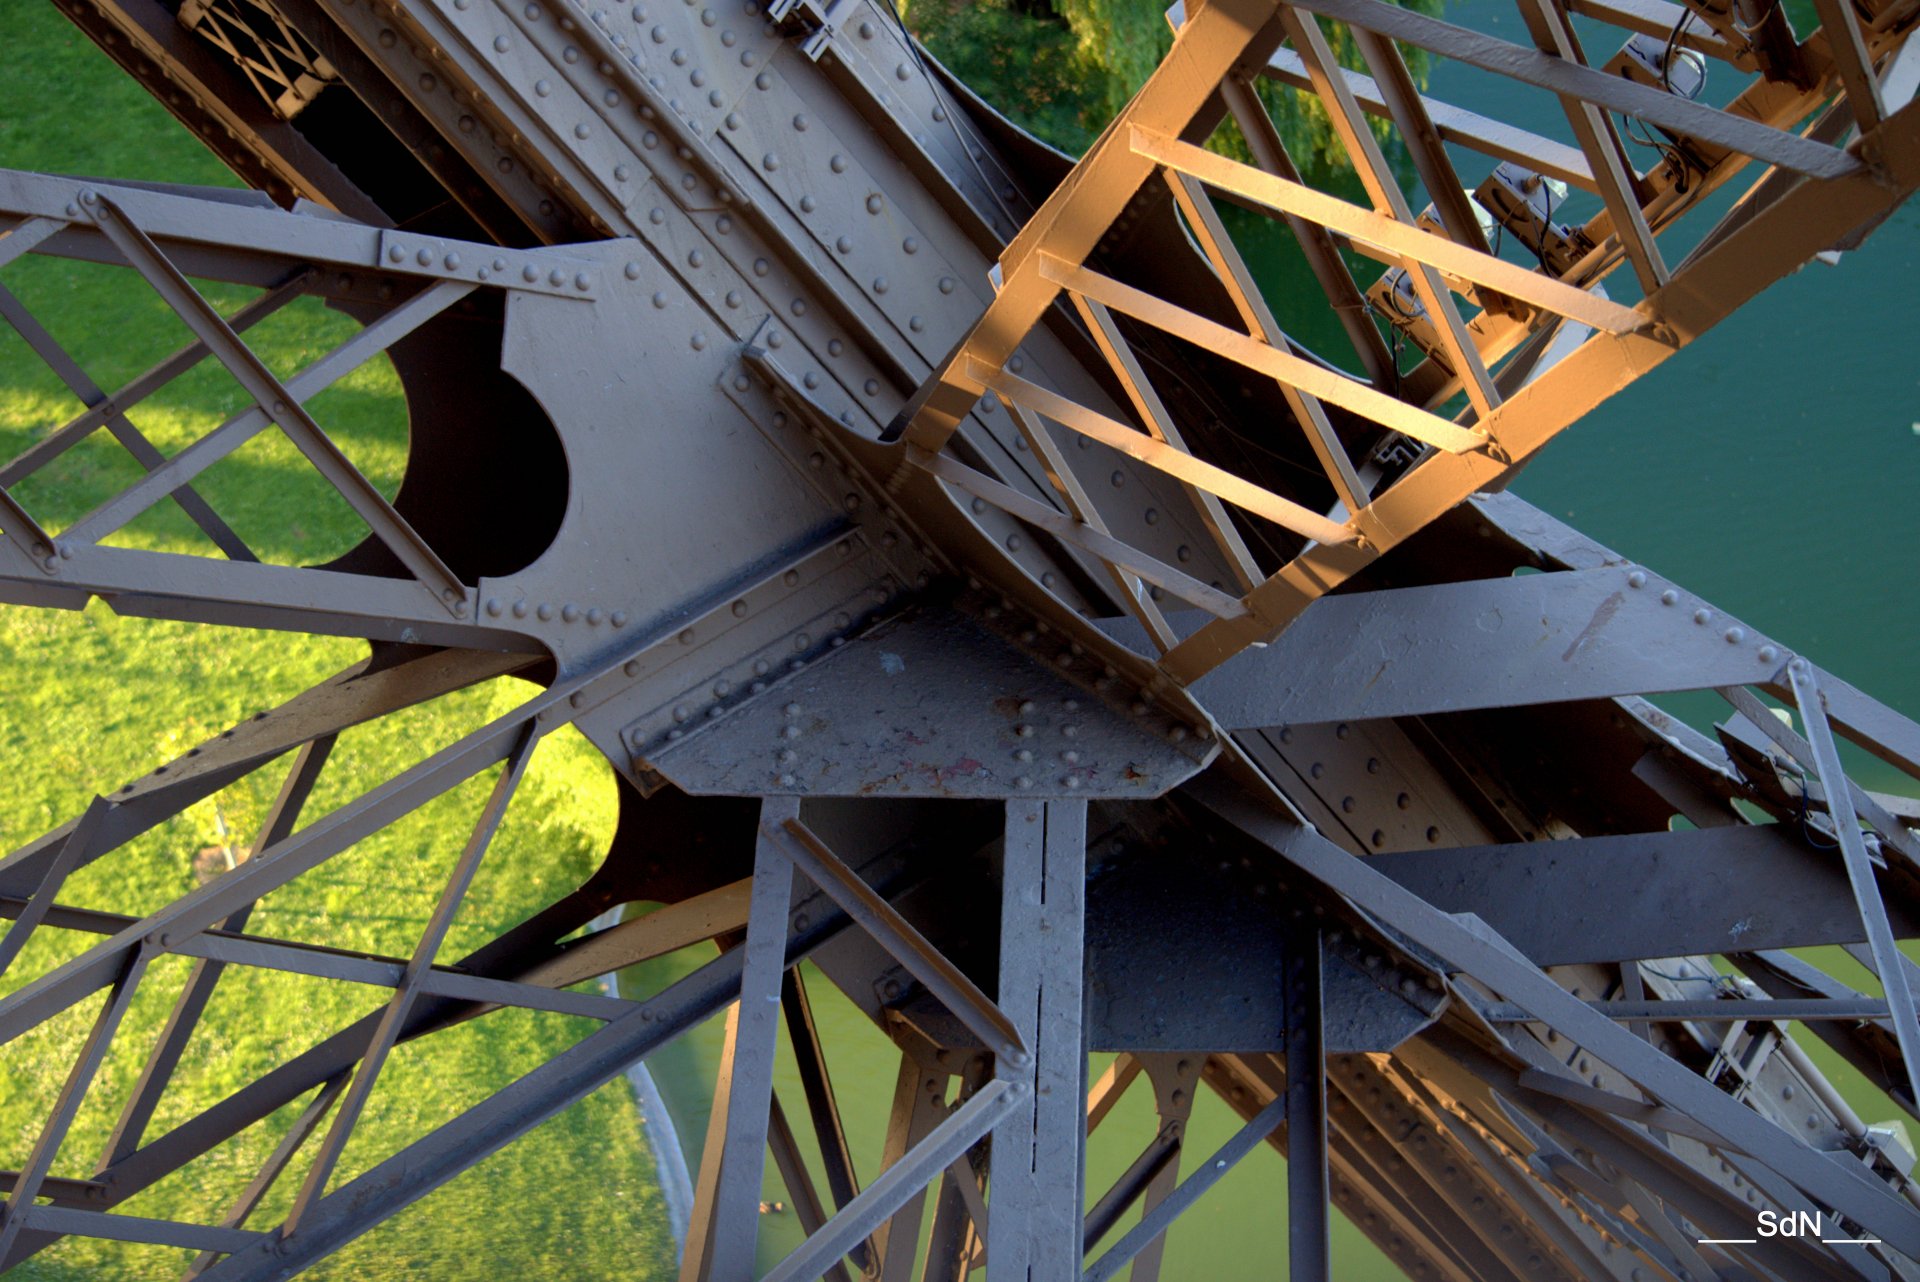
(949, 109)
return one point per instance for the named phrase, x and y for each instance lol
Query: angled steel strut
(983, 596)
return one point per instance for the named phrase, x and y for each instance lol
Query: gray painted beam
(1039, 1154)
(749, 1086)
(1468, 946)
(1488, 643)
(1660, 894)
(1309, 1251)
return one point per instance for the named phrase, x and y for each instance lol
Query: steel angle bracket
(812, 21)
(1182, 956)
(931, 704)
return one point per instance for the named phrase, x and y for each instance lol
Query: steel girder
(920, 705)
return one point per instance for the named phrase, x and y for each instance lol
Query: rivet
(1703, 617)
(874, 203)
(1736, 635)
(1637, 579)
(519, 609)
(844, 245)
(1768, 654)
(631, 271)
(686, 636)
(545, 611)
(947, 284)
(1669, 597)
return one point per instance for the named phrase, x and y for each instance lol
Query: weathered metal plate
(1493, 643)
(931, 705)
(1181, 958)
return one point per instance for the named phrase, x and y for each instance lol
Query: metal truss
(283, 67)
(918, 709)
(1511, 410)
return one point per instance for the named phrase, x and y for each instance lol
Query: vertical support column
(919, 1105)
(1038, 1184)
(1173, 1077)
(959, 1208)
(720, 1246)
(1308, 1248)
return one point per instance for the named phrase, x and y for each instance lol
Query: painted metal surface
(979, 593)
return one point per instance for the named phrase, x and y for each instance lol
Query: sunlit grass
(90, 700)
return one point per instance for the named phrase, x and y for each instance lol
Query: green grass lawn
(90, 700)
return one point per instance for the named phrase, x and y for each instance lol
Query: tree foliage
(1062, 68)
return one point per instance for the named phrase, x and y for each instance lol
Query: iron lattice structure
(979, 593)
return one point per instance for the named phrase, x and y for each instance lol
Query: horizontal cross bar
(1713, 1010)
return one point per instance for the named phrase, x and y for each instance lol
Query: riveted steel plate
(1180, 958)
(928, 705)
